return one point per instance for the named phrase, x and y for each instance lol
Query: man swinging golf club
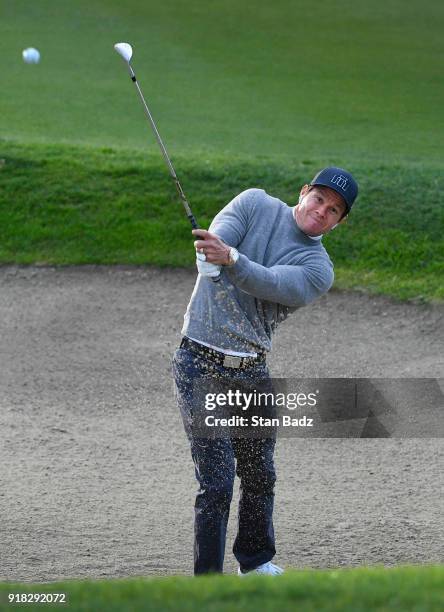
(270, 260)
(260, 261)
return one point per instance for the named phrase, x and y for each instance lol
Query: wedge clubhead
(124, 50)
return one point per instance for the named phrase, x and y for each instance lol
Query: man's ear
(303, 191)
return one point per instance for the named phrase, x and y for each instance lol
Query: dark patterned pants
(216, 461)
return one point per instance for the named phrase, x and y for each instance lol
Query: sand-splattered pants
(215, 468)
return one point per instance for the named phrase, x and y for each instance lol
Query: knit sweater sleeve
(231, 223)
(292, 286)
(289, 285)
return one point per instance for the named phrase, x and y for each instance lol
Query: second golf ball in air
(31, 55)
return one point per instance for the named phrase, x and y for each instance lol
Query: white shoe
(266, 568)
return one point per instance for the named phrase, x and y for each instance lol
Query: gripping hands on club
(211, 253)
(206, 269)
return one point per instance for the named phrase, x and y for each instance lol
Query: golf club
(125, 51)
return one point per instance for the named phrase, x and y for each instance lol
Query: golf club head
(124, 50)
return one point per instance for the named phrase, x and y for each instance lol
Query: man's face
(319, 209)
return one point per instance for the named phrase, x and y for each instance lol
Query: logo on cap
(340, 181)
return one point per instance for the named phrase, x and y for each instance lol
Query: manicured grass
(376, 589)
(346, 79)
(79, 205)
(244, 94)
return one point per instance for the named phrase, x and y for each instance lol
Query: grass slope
(247, 94)
(346, 79)
(376, 589)
(79, 205)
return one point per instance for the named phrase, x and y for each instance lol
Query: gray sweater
(279, 270)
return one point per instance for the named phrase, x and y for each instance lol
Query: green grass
(245, 94)
(82, 205)
(346, 79)
(376, 589)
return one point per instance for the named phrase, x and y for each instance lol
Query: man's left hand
(206, 268)
(214, 249)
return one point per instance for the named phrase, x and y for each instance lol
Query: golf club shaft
(173, 174)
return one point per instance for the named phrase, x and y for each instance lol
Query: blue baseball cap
(340, 181)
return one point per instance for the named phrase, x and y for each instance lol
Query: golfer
(260, 260)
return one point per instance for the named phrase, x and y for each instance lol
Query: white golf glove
(205, 268)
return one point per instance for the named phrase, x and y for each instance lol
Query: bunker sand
(97, 479)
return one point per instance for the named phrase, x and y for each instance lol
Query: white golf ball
(31, 55)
